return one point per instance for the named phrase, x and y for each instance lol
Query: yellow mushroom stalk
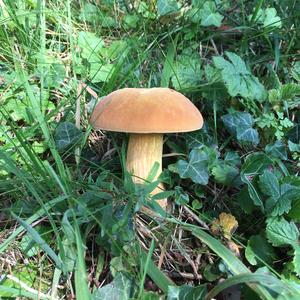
(146, 114)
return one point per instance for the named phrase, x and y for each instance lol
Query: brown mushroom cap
(141, 110)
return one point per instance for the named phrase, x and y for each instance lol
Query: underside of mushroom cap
(141, 110)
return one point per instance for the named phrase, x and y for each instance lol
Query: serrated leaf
(296, 259)
(238, 79)
(281, 232)
(187, 71)
(89, 44)
(166, 7)
(259, 251)
(196, 168)
(225, 173)
(100, 72)
(269, 184)
(66, 134)
(296, 71)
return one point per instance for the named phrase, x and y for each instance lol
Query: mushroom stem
(143, 151)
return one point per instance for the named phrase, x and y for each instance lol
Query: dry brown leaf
(225, 224)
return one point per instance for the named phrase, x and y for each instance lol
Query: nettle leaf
(196, 168)
(66, 134)
(187, 71)
(296, 259)
(89, 43)
(281, 232)
(166, 7)
(238, 79)
(100, 72)
(259, 251)
(186, 292)
(119, 288)
(269, 184)
(296, 71)
(278, 150)
(225, 173)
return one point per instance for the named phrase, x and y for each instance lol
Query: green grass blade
(233, 263)
(270, 282)
(81, 281)
(40, 241)
(160, 279)
(168, 68)
(30, 220)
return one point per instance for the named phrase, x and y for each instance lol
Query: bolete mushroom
(146, 114)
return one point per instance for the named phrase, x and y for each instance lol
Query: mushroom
(146, 114)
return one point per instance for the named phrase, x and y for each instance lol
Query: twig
(196, 218)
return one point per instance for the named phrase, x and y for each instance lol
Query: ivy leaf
(240, 124)
(246, 134)
(187, 292)
(281, 232)
(259, 251)
(277, 150)
(238, 79)
(166, 7)
(267, 18)
(232, 158)
(196, 168)
(209, 15)
(236, 119)
(119, 288)
(66, 134)
(271, 19)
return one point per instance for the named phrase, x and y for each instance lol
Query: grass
(70, 220)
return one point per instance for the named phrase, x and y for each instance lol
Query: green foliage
(186, 292)
(120, 288)
(77, 214)
(240, 124)
(165, 7)
(205, 13)
(237, 78)
(196, 168)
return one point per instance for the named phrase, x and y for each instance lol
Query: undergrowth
(71, 225)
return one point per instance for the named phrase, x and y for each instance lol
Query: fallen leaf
(226, 224)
